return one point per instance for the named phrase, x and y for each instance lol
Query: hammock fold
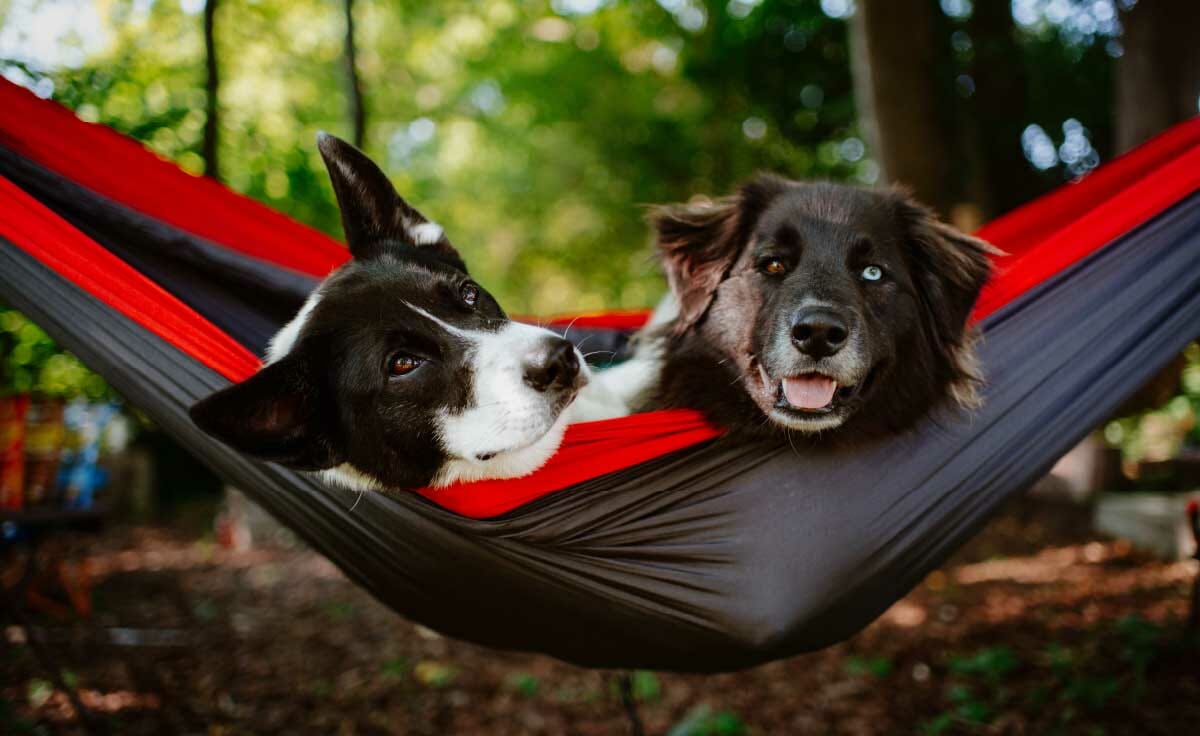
(647, 541)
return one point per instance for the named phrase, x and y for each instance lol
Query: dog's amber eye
(402, 365)
(773, 266)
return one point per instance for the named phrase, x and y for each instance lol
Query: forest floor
(1038, 626)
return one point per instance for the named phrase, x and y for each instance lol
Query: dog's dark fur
(734, 339)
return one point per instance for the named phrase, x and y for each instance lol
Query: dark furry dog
(833, 309)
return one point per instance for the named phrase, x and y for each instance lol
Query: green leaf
(646, 686)
(524, 683)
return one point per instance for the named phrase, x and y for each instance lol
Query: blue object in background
(80, 474)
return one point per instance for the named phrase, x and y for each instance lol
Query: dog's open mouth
(816, 394)
(812, 393)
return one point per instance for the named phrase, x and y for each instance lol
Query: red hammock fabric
(1041, 238)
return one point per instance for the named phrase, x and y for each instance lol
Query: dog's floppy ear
(277, 414)
(699, 242)
(374, 215)
(950, 266)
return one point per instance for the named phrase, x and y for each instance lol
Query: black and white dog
(400, 371)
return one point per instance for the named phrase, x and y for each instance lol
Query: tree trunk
(212, 86)
(1005, 178)
(1157, 86)
(357, 110)
(894, 66)
(1158, 77)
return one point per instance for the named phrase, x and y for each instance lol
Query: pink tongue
(809, 392)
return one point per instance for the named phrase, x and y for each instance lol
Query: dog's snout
(819, 332)
(555, 366)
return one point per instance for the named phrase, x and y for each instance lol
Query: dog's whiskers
(569, 325)
(788, 432)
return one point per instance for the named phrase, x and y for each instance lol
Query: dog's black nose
(819, 332)
(555, 366)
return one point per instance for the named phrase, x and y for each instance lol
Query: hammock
(647, 541)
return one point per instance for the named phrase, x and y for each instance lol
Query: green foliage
(1075, 686)
(397, 669)
(646, 686)
(992, 664)
(534, 130)
(38, 691)
(1160, 432)
(30, 362)
(875, 666)
(524, 684)
(704, 721)
(976, 690)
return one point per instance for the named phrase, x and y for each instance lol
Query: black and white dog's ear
(950, 266)
(699, 242)
(277, 414)
(374, 215)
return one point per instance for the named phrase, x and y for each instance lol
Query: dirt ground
(1036, 627)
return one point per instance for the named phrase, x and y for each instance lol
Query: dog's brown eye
(402, 365)
(470, 294)
(773, 266)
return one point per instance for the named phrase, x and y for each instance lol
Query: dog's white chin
(349, 477)
(509, 464)
(812, 424)
(515, 463)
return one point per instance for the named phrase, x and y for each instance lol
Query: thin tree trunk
(212, 86)
(895, 85)
(1001, 89)
(358, 114)
(1158, 76)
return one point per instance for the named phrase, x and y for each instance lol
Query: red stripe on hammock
(37, 230)
(1043, 238)
(124, 170)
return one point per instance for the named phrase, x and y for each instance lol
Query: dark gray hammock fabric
(714, 558)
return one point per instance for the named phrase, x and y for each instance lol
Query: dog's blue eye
(402, 365)
(470, 294)
(872, 273)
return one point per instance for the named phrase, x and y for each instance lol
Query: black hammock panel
(711, 558)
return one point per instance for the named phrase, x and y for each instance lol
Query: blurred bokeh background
(536, 132)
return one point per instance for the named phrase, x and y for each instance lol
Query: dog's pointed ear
(950, 266)
(374, 215)
(278, 414)
(699, 242)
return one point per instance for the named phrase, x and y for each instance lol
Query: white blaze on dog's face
(523, 379)
(400, 371)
